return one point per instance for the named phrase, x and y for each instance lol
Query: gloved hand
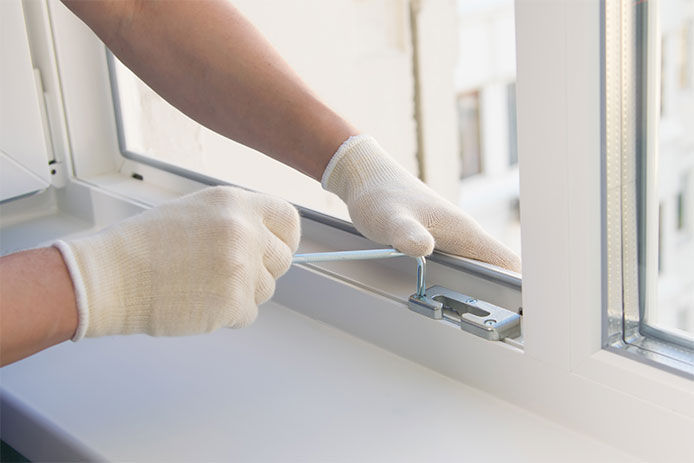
(391, 206)
(189, 266)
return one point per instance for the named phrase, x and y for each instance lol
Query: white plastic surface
(286, 389)
(22, 134)
(15, 180)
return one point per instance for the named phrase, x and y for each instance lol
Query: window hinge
(480, 318)
(55, 167)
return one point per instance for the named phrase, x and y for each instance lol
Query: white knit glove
(391, 206)
(190, 266)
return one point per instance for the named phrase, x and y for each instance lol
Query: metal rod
(346, 255)
(364, 254)
(421, 270)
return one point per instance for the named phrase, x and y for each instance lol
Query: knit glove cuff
(112, 280)
(190, 266)
(358, 162)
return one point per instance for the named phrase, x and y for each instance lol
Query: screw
(471, 301)
(489, 322)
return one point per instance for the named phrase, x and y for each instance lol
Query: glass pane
(153, 129)
(648, 159)
(674, 309)
(486, 101)
(469, 131)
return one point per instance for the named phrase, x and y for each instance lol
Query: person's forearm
(37, 303)
(206, 59)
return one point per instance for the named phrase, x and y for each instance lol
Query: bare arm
(37, 303)
(206, 59)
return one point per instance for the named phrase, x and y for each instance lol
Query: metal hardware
(346, 255)
(365, 254)
(481, 318)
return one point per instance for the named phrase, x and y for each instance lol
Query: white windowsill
(286, 389)
(500, 369)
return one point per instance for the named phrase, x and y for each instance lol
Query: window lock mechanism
(480, 318)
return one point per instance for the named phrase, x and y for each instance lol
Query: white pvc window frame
(562, 371)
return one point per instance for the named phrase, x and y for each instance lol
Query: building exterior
(676, 168)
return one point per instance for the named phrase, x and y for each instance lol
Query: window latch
(480, 318)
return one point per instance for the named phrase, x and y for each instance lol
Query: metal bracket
(480, 318)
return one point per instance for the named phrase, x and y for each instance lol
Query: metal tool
(481, 318)
(365, 254)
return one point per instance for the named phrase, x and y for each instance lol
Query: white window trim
(562, 372)
(563, 276)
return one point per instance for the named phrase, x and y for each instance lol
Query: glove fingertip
(244, 317)
(416, 243)
(496, 253)
(512, 262)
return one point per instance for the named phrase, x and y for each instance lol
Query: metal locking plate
(481, 318)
